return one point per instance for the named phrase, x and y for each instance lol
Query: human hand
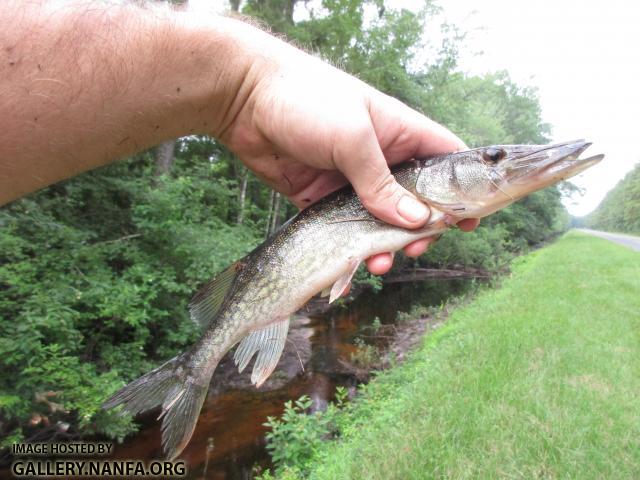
(303, 126)
(307, 128)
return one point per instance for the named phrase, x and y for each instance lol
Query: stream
(229, 436)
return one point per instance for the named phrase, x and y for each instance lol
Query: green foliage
(487, 247)
(297, 435)
(484, 110)
(365, 356)
(376, 325)
(620, 209)
(365, 279)
(530, 221)
(417, 311)
(96, 272)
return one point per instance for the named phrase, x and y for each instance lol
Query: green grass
(537, 379)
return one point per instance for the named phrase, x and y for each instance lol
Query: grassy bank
(538, 379)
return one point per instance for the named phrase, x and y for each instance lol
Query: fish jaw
(478, 182)
(541, 168)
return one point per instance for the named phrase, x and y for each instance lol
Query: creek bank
(230, 434)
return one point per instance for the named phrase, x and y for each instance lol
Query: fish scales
(321, 248)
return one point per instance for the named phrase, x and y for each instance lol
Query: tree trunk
(275, 223)
(164, 157)
(288, 11)
(270, 210)
(244, 179)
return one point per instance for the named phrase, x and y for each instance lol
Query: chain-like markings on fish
(319, 250)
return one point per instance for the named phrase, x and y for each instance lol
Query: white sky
(584, 57)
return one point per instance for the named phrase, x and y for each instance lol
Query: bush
(365, 356)
(95, 276)
(297, 435)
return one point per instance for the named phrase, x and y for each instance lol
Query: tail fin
(181, 395)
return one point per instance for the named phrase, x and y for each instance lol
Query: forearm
(84, 83)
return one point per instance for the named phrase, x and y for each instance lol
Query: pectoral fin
(341, 285)
(269, 343)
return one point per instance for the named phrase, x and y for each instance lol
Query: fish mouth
(538, 167)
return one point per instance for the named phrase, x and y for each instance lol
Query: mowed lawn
(539, 378)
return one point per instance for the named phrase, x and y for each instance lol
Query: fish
(249, 304)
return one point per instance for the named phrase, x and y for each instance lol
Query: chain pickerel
(319, 250)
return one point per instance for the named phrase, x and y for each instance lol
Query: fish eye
(493, 155)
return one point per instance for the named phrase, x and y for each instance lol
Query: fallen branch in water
(430, 273)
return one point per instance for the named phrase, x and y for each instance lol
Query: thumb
(359, 157)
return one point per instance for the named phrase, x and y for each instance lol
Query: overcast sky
(583, 56)
(585, 59)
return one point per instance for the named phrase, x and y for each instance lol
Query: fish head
(478, 182)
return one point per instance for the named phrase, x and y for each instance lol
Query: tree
(164, 157)
(620, 209)
(96, 272)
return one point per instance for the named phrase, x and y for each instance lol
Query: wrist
(85, 83)
(224, 60)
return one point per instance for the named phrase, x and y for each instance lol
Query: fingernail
(412, 210)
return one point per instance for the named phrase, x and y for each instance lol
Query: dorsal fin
(269, 342)
(205, 304)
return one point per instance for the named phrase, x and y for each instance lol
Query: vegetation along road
(630, 241)
(537, 379)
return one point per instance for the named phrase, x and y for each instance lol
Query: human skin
(85, 83)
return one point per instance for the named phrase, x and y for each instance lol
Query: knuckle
(382, 190)
(381, 199)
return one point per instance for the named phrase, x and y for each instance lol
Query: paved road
(626, 240)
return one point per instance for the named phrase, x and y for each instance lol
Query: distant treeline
(96, 272)
(620, 209)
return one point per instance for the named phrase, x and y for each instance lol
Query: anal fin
(269, 343)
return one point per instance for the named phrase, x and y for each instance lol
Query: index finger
(405, 133)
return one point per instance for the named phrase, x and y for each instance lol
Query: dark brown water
(229, 437)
